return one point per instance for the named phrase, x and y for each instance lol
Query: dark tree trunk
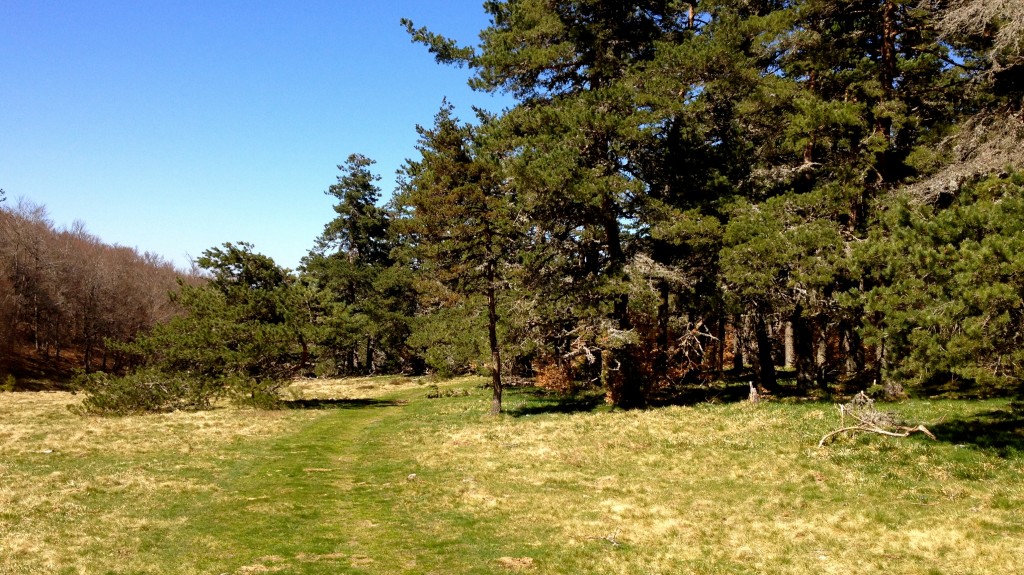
(368, 368)
(765, 364)
(88, 356)
(737, 342)
(661, 358)
(618, 366)
(304, 358)
(492, 338)
(803, 350)
(720, 348)
(853, 358)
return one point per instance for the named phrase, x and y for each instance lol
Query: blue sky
(175, 126)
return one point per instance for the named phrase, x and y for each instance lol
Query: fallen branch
(904, 432)
(870, 420)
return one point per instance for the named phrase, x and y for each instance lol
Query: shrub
(557, 378)
(260, 394)
(146, 391)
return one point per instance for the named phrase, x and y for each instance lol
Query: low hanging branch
(869, 420)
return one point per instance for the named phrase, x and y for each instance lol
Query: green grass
(371, 476)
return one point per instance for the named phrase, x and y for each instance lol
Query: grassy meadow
(372, 476)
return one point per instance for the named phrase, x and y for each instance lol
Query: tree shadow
(686, 394)
(38, 385)
(999, 430)
(340, 403)
(545, 402)
(693, 394)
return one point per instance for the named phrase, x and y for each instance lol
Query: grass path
(292, 504)
(341, 494)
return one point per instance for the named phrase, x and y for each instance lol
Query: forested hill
(66, 297)
(823, 192)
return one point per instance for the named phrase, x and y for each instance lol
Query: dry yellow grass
(372, 387)
(73, 486)
(726, 489)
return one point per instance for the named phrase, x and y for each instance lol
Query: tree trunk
(661, 357)
(492, 338)
(765, 365)
(737, 342)
(790, 356)
(88, 356)
(821, 353)
(803, 350)
(880, 363)
(368, 368)
(853, 360)
(720, 349)
(304, 358)
(622, 383)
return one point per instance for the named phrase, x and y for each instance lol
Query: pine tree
(348, 271)
(460, 216)
(947, 289)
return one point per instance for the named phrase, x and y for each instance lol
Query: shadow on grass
(545, 402)
(35, 385)
(541, 401)
(998, 430)
(719, 392)
(340, 403)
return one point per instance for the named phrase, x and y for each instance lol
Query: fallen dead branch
(868, 429)
(870, 420)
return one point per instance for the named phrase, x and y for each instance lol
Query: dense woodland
(816, 195)
(66, 297)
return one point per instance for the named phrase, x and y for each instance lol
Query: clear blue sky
(174, 126)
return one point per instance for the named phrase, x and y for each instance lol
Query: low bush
(248, 392)
(146, 391)
(557, 378)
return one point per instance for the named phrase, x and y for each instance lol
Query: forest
(815, 196)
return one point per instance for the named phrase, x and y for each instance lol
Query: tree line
(681, 189)
(66, 298)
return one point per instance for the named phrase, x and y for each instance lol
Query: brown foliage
(556, 378)
(64, 294)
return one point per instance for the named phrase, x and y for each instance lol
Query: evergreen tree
(459, 212)
(947, 289)
(568, 145)
(242, 331)
(864, 92)
(356, 316)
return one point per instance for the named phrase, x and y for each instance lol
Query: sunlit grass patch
(348, 388)
(73, 487)
(369, 387)
(719, 488)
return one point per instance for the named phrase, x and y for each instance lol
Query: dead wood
(870, 420)
(905, 432)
